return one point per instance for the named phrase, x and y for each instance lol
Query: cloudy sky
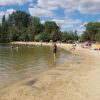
(68, 14)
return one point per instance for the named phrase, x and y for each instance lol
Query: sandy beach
(69, 81)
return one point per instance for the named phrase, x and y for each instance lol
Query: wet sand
(70, 81)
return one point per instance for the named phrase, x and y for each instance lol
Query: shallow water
(25, 61)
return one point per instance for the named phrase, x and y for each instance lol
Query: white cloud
(9, 11)
(2, 13)
(80, 29)
(67, 24)
(83, 6)
(31, 4)
(13, 2)
(48, 4)
(98, 20)
(48, 8)
(40, 12)
(89, 7)
(6, 13)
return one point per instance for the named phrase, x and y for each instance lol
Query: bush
(43, 36)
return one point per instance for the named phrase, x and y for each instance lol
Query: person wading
(54, 49)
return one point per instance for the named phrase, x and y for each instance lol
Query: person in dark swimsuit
(54, 49)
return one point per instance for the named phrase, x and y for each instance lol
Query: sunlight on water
(25, 61)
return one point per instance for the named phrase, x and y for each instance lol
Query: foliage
(69, 36)
(43, 36)
(21, 26)
(92, 32)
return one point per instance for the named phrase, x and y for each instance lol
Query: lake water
(25, 61)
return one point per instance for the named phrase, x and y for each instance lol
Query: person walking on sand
(54, 49)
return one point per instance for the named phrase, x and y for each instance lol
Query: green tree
(50, 26)
(36, 25)
(38, 37)
(92, 29)
(53, 29)
(4, 36)
(65, 37)
(18, 22)
(97, 37)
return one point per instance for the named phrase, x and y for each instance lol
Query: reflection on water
(24, 61)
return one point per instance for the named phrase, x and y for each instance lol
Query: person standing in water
(41, 42)
(54, 49)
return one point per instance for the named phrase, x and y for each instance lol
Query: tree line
(21, 26)
(92, 32)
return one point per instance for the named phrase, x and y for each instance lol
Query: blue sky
(68, 14)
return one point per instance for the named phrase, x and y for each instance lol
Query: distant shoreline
(44, 44)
